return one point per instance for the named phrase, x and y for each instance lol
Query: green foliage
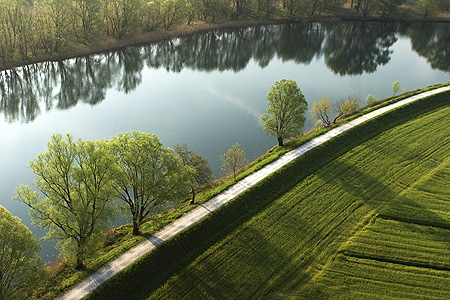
(285, 116)
(233, 160)
(122, 17)
(203, 173)
(346, 107)
(75, 181)
(121, 239)
(395, 87)
(87, 22)
(44, 29)
(428, 8)
(321, 110)
(370, 100)
(390, 7)
(295, 222)
(169, 12)
(21, 268)
(149, 177)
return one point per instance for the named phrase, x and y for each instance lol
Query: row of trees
(83, 185)
(285, 116)
(46, 28)
(323, 108)
(347, 49)
(79, 181)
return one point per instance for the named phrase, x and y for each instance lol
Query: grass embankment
(63, 276)
(357, 216)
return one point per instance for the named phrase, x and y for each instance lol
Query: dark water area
(207, 90)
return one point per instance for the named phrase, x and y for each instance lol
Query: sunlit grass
(121, 239)
(305, 222)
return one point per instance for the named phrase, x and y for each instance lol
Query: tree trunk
(280, 142)
(79, 264)
(136, 227)
(193, 196)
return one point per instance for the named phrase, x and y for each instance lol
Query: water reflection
(347, 48)
(352, 49)
(432, 41)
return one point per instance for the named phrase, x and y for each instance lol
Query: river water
(207, 90)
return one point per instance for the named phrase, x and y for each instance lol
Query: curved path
(110, 269)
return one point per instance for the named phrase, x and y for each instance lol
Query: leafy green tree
(345, 107)
(20, 265)
(368, 6)
(16, 30)
(75, 180)
(214, 9)
(266, 8)
(285, 116)
(370, 100)
(390, 7)
(193, 8)
(395, 87)
(293, 8)
(428, 8)
(233, 160)
(170, 12)
(321, 110)
(150, 177)
(87, 21)
(53, 24)
(203, 173)
(121, 17)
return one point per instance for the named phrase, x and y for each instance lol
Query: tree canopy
(40, 29)
(345, 107)
(20, 265)
(149, 176)
(321, 110)
(395, 87)
(233, 160)
(203, 173)
(74, 179)
(285, 117)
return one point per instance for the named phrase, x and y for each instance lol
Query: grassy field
(366, 214)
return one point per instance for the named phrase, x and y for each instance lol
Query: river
(207, 90)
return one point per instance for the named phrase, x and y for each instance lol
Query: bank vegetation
(40, 30)
(62, 274)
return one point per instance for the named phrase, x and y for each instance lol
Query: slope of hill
(367, 213)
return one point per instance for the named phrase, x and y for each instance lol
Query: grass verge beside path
(120, 239)
(254, 220)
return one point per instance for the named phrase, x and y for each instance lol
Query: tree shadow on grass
(144, 277)
(407, 213)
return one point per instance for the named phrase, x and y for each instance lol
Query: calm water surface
(207, 90)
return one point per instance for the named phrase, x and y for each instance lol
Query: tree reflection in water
(347, 49)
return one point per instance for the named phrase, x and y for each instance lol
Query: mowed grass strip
(271, 240)
(355, 278)
(299, 228)
(403, 243)
(410, 238)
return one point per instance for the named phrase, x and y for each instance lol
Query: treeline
(347, 48)
(56, 28)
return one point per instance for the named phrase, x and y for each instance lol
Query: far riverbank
(111, 44)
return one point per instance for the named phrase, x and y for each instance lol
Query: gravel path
(195, 215)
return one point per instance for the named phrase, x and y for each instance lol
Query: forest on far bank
(54, 29)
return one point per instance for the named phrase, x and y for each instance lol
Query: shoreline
(179, 31)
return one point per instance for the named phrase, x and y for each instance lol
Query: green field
(367, 215)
